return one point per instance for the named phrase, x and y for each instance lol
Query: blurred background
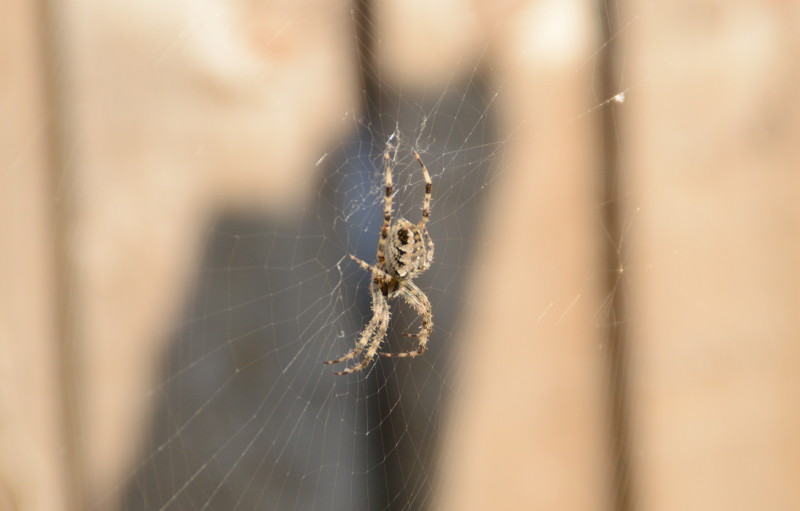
(615, 289)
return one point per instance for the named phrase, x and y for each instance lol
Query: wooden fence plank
(32, 467)
(171, 114)
(713, 173)
(529, 428)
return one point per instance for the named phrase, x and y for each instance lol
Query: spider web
(246, 415)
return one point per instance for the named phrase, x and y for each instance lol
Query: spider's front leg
(381, 319)
(414, 296)
(375, 329)
(363, 340)
(362, 343)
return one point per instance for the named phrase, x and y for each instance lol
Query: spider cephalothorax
(405, 250)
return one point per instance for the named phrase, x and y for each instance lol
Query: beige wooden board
(528, 428)
(32, 465)
(713, 175)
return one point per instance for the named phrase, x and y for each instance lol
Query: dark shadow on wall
(247, 417)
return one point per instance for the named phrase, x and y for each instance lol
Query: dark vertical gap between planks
(55, 113)
(365, 40)
(379, 390)
(613, 215)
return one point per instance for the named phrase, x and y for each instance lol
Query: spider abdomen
(409, 248)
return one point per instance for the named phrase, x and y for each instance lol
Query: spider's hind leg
(426, 200)
(387, 207)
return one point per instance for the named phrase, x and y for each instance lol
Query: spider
(405, 250)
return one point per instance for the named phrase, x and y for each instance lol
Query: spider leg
(426, 201)
(380, 319)
(362, 343)
(371, 268)
(387, 209)
(414, 296)
(369, 330)
(426, 212)
(377, 326)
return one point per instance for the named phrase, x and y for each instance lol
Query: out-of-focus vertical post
(712, 167)
(528, 429)
(167, 114)
(32, 464)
